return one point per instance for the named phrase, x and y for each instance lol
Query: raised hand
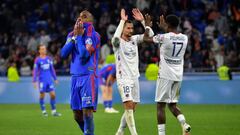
(148, 20)
(137, 15)
(78, 28)
(123, 15)
(162, 24)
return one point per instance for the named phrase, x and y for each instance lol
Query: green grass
(204, 119)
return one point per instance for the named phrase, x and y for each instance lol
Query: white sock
(130, 121)
(44, 111)
(54, 111)
(123, 123)
(161, 129)
(181, 119)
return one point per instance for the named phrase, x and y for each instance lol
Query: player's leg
(175, 110)
(76, 102)
(53, 103)
(161, 117)
(162, 96)
(78, 116)
(88, 121)
(127, 90)
(104, 97)
(109, 92)
(89, 93)
(42, 89)
(129, 116)
(122, 126)
(178, 114)
(42, 104)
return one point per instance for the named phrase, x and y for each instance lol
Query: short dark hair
(128, 21)
(172, 21)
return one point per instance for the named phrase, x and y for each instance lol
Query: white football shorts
(129, 89)
(167, 91)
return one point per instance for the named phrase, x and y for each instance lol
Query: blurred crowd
(213, 28)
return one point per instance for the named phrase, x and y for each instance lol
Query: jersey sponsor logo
(87, 99)
(171, 61)
(130, 53)
(41, 85)
(90, 68)
(45, 66)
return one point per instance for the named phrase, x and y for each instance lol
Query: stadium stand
(213, 28)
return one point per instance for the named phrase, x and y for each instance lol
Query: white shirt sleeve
(138, 38)
(158, 39)
(116, 37)
(151, 33)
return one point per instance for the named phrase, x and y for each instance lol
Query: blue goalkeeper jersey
(44, 70)
(84, 50)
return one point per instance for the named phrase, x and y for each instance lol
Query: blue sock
(110, 103)
(42, 105)
(88, 125)
(53, 104)
(105, 104)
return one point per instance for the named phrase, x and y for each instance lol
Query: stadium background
(213, 27)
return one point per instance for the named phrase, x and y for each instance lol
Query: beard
(129, 34)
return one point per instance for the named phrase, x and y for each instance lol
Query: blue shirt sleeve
(68, 46)
(113, 71)
(52, 70)
(35, 70)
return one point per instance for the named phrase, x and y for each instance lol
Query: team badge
(88, 41)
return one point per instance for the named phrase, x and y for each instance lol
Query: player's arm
(53, 72)
(118, 32)
(35, 72)
(68, 46)
(147, 22)
(71, 39)
(162, 24)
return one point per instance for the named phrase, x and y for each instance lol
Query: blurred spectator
(12, 73)
(48, 22)
(25, 69)
(44, 38)
(32, 43)
(2, 66)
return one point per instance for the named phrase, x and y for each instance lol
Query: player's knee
(172, 107)
(88, 112)
(78, 116)
(128, 105)
(53, 96)
(42, 95)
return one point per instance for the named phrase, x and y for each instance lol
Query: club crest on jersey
(88, 41)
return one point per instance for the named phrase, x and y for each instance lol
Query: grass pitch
(26, 119)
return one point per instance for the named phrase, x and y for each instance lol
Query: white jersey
(172, 50)
(126, 56)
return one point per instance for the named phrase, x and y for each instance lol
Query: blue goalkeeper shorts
(84, 92)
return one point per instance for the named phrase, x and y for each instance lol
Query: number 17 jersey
(172, 50)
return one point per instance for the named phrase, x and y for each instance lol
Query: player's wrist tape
(73, 39)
